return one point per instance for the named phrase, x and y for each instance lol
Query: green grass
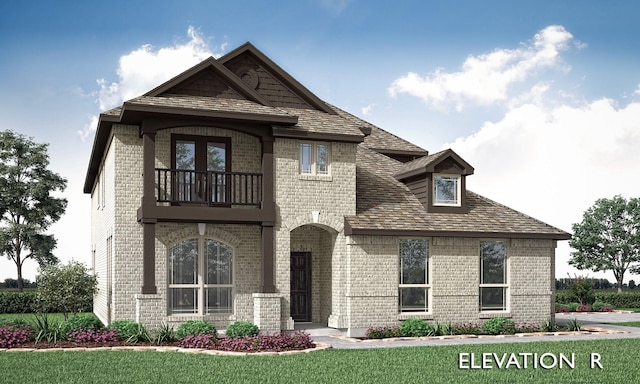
(388, 365)
(628, 323)
(629, 309)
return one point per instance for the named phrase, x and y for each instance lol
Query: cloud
(637, 91)
(336, 6)
(366, 111)
(487, 78)
(553, 162)
(146, 67)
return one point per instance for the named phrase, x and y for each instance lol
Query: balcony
(210, 188)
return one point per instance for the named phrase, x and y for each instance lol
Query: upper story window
(493, 276)
(446, 190)
(314, 158)
(414, 286)
(199, 164)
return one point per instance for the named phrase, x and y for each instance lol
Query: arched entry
(312, 249)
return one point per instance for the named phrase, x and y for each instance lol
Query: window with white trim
(200, 277)
(446, 190)
(493, 276)
(314, 158)
(413, 290)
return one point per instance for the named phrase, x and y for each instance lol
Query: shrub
(195, 328)
(467, 329)
(527, 328)
(18, 302)
(582, 290)
(92, 335)
(564, 297)
(415, 328)
(383, 332)
(267, 343)
(574, 325)
(66, 287)
(242, 329)
(606, 308)
(81, 321)
(572, 307)
(583, 308)
(499, 326)
(129, 331)
(561, 308)
(11, 337)
(620, 300)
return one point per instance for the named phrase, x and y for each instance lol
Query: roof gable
(446, 161)
(211, 79)
(269, 80)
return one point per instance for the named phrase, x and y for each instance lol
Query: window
(446, 190)
(200, 277)
(413, 291)
(314, 158)
(493, 276)
(200, 164)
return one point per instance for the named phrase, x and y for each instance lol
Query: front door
(301, 286)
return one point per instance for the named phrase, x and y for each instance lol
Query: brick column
(266, 311)
(148, 200)
(268, 204)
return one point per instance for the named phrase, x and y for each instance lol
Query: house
(232, 192)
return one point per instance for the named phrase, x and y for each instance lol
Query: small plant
(606, 308)
(574, 325)
(383, 332)
(416, 328)
(92, 335)
(527, 328)
(130, 331)
(549, 326)
(573, 307)
(467, 329)
(194, 328)
(11, 336)
(600, 306)
(166, 334)
(46, 329)
(447, 329)
(562, 308)
(499, 326)
(242, 329)
(201, 341)
(583, 308)
(81, 321)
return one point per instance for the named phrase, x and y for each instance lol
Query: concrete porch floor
(316, 329)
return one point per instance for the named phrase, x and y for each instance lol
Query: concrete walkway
(599, 320)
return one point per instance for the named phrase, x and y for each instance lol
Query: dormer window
(446, 190)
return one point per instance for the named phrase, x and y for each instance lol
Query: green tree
(608, 238)
(67, 287)
(27, 208)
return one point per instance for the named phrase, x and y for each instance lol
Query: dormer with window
(438, 181)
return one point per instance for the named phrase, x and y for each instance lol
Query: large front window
(413, 291)
(200, 277)
(446, 190)
(314, 158)
(493, 276)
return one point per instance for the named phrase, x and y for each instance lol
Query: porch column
(268, 204)
(148, 199)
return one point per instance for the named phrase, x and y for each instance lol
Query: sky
(541, 97)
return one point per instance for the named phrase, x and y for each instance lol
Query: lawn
(389, 365)
(627, 323)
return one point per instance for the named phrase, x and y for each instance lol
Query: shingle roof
(384, 203)
(379, 139)
(208, 104)
(314, 121)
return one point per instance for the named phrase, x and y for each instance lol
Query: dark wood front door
(301, 286)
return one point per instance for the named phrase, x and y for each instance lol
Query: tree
(27, 208)
(608, 238)
(66, 287)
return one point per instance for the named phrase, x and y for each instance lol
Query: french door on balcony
(199, 164)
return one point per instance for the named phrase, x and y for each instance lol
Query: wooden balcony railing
(180, 186)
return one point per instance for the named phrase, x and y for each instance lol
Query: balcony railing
(180, 186)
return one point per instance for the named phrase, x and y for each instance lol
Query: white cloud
(141, 70)
(554, 162)
(366, 111)
(487, 78)
(637, 91)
